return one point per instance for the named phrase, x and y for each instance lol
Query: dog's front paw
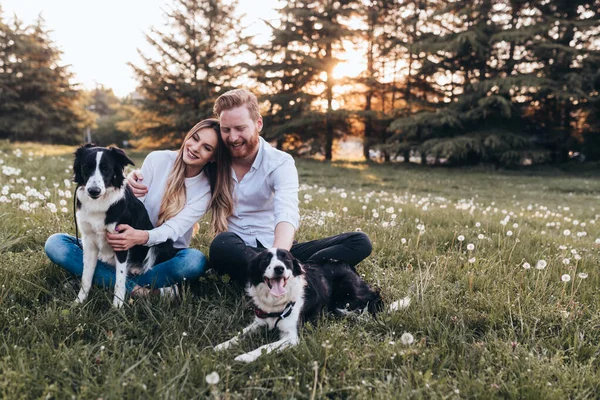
(117, 302)
(247, 357)
(81, 297)
(222, 346)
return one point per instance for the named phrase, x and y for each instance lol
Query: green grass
(483, 326)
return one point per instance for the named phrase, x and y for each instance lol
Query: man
(266, 193)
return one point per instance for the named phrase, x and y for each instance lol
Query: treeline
(462, 82)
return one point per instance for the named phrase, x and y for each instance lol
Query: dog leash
(75, 216)
(279, 315)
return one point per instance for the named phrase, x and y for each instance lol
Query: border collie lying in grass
(104, 201)
(286, 293)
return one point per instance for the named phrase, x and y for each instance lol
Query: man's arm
(287, 215)
(284, 235)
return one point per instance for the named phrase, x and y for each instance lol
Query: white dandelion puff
(407, 338)
(541, 264)
(213, 378)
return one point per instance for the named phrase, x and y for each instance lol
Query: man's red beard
(245, 149)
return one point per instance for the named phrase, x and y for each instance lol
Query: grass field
(501, 269)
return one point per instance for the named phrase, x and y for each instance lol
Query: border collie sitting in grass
(104, 201)
(285, 293)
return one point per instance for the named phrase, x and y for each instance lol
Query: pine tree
(516, 77)
(570, 68)
(297, 68)
(283, 77)
(196, 62)
(472, 116)
(37, 100)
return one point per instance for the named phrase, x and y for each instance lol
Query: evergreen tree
(472, 117)
(106, 107)
(37, 100)
(196, 63)
(516, 74)
(283, 78)
(298, 70)
(570, 67)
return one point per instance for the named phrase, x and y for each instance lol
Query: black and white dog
(286, 293)
(104, 201)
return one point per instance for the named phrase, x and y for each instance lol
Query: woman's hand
(126, 237)
(133, 180)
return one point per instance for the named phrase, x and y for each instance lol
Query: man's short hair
(237, 98)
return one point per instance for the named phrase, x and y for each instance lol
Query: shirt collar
(260, 155)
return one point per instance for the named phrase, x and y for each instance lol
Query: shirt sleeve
(177, 226)
(285, 187)
(147, 170)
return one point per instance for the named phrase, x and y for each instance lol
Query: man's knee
(222, 244)
(362, 243)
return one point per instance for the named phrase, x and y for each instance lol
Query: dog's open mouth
(277, 286)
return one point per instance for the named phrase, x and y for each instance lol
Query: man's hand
(134, 180)
(126, 237)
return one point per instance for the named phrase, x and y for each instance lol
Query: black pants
(229, 254)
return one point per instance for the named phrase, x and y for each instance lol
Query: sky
(99, 38)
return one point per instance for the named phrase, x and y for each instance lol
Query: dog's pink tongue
(277, 288)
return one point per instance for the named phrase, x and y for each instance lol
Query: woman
(179, 187)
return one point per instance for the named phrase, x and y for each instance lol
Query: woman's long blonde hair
(219, 175)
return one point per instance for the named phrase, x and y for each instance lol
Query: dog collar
(279, 315)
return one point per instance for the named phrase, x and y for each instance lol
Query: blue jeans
(188, 264)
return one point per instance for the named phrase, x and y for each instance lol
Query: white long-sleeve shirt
(155, 171)
(266, 196)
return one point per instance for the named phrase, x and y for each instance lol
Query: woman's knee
(55, 247)
(194, 264)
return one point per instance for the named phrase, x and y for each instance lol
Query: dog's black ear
(254, 272)
(296, 266)
(79, 153)
(121, 156)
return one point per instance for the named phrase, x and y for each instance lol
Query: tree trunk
(329, 123)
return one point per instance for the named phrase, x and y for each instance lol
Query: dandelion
(480, 236)
(577, 257)
(515, 225)
(526, 265)
(470, 247)
(565, 278)
(582, 275)
(566, 261)
(403, 241)
(343, 195)
(345, 209)
(541, 264)
(477, 224)
(472, 260)
(460, 238)
(597, 241)
(213, 378)
(509, 233)
(566, 232)
(407, 338)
